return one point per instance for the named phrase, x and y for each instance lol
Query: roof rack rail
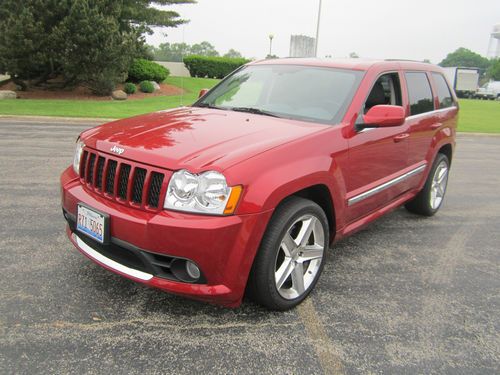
(409, 60)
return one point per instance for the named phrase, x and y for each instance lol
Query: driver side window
(386, 90)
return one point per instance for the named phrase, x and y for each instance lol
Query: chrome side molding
(386, 185)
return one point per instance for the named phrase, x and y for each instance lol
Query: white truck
(465, 81)
(490, 90)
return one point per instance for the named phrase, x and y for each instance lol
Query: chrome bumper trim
(388, 184)
(109, 262)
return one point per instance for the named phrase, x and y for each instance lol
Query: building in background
(302, 46)
(494, 50)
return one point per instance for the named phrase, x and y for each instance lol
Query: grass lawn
(481, 116)
(108, 109)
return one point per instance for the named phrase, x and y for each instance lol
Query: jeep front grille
(126, 182)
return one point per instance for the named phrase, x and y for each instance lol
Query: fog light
(193, 270)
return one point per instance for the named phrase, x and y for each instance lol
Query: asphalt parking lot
(405, 295)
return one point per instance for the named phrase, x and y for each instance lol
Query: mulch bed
(82, 93)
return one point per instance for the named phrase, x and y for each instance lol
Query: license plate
(92, 223)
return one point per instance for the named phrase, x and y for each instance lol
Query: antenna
(317, 31)
(182, 56)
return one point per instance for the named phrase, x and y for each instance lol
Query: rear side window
(443, 91)
(419, 92)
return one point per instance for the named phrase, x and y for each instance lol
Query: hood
(195, 138)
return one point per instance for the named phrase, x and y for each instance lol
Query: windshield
(289, 91)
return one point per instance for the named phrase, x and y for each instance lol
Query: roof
(354, 64)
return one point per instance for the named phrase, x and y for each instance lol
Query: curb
(479, 134)
(56, 119)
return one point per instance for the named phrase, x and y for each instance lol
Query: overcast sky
(418, 29)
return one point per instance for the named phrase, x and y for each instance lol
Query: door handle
(436, 125)
(401, 137)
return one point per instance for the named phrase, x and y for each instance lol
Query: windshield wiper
(207, 105)
(255, 111)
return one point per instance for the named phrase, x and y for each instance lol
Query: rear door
(422, 120)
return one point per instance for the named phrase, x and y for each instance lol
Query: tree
(177, 51)
(81, 41)
(171, 52)
(494, 70)
(233, 53)
(97, 56)
(143, 15)
(204, 49)
(353, 55)
(466, 58)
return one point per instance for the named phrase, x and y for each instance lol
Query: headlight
(78, 156)
(201, 193)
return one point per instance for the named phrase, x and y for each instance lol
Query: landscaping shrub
(212, 67)
(145, 70)
(147, 86)
(101, 84)
(130, 88)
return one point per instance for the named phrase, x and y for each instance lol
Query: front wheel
(291, 255)
(430, 198)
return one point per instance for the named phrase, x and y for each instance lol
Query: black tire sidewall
(281, 221)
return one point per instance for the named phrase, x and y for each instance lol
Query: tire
(280, 261)
(430, 198)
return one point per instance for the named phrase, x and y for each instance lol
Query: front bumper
(222, 247)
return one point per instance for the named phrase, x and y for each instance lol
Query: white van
(490, 90)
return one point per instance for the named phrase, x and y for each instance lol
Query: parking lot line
(326, 351)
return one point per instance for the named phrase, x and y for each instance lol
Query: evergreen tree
(83, 41)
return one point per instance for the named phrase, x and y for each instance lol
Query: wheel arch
(321, 195)
(447, 150)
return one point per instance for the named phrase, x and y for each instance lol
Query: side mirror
(202, 92)
(382, 116)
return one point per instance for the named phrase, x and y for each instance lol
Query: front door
(377, 157)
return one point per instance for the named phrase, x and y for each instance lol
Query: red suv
(247, 189)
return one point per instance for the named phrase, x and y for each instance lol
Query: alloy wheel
(299, 257)
(438, 187)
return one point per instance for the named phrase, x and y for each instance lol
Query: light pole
(317, 31)
(271, 36)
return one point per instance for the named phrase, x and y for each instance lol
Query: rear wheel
(291, 255)
(430, 198)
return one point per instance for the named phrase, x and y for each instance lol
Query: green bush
(101, 84)
(145, 70)
(130, 88)
(212, 67)
(146, 86)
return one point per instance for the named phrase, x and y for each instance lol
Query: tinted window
(419, 92)
(290, 91)
(443, 91)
